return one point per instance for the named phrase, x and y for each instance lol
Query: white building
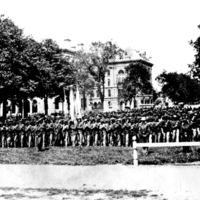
(116, 74)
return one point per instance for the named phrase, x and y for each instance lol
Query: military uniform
(57, 134)
(73, 133)
(51, 133)
(3, 136)
(21, 134)
(8, 136)
(96, 133)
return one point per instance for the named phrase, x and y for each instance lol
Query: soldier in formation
(105, 129)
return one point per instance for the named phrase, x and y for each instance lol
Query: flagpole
(78, 106)
(65, 101)
(71, 103)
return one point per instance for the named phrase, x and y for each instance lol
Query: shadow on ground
(17, 193)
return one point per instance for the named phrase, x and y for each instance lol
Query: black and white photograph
(99, 100)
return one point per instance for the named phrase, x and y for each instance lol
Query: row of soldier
(98, 131)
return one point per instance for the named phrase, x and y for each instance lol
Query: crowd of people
(103, 129)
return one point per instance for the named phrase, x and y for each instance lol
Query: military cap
(71, 122)
(112, 119)
(102, 120)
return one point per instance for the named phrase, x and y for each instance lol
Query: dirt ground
(100, 182)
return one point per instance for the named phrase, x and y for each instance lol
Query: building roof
(69, 51)
(131, 61)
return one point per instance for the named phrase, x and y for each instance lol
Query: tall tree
(138, 79)
(29, 68)
(16, 69)
(57, 71)
(179, 87)
(101, 54)
(84, 79)
(195, 66)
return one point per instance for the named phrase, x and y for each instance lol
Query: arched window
(108, 82)
(34, 106)
(121, 105)
(121, 71)
(97, 93)
(82, 102)
(146, 101)
(95, 105)
(13, 106)
(57, 100)
(109, 104)
(109, 93)
(108, 72)
(99, 105)
(27, 105)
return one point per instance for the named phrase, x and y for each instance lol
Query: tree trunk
(46, 105)
(24, 107)
(84, 100)
(4, 108)
(103, 94)
(68, 101)
(134, 101)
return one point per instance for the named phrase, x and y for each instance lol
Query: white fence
(171, 144)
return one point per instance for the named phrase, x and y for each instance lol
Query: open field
(96, 155)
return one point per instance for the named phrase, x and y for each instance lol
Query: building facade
(115, 75)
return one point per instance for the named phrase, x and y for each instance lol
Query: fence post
(135, 154)
(177, 135)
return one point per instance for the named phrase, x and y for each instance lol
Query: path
(174, 182)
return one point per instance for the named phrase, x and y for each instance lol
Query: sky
(162, 28)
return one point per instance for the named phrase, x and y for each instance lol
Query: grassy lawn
(95, 155)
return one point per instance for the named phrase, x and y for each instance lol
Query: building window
(27, 105)
(99, 105)
(97, 93)
(34, 106)
(108, 82)
(13, 106)
(109, 93)
(57, 100)
(95, 105)
(109, 104)
(121, 72)
(119, 92)
(121, 56)
(147, 101)
(82, 103)
(108, 72)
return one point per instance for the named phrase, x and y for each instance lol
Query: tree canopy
(195, 66)
(179, 87)
(138, 79)
(29, 68)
